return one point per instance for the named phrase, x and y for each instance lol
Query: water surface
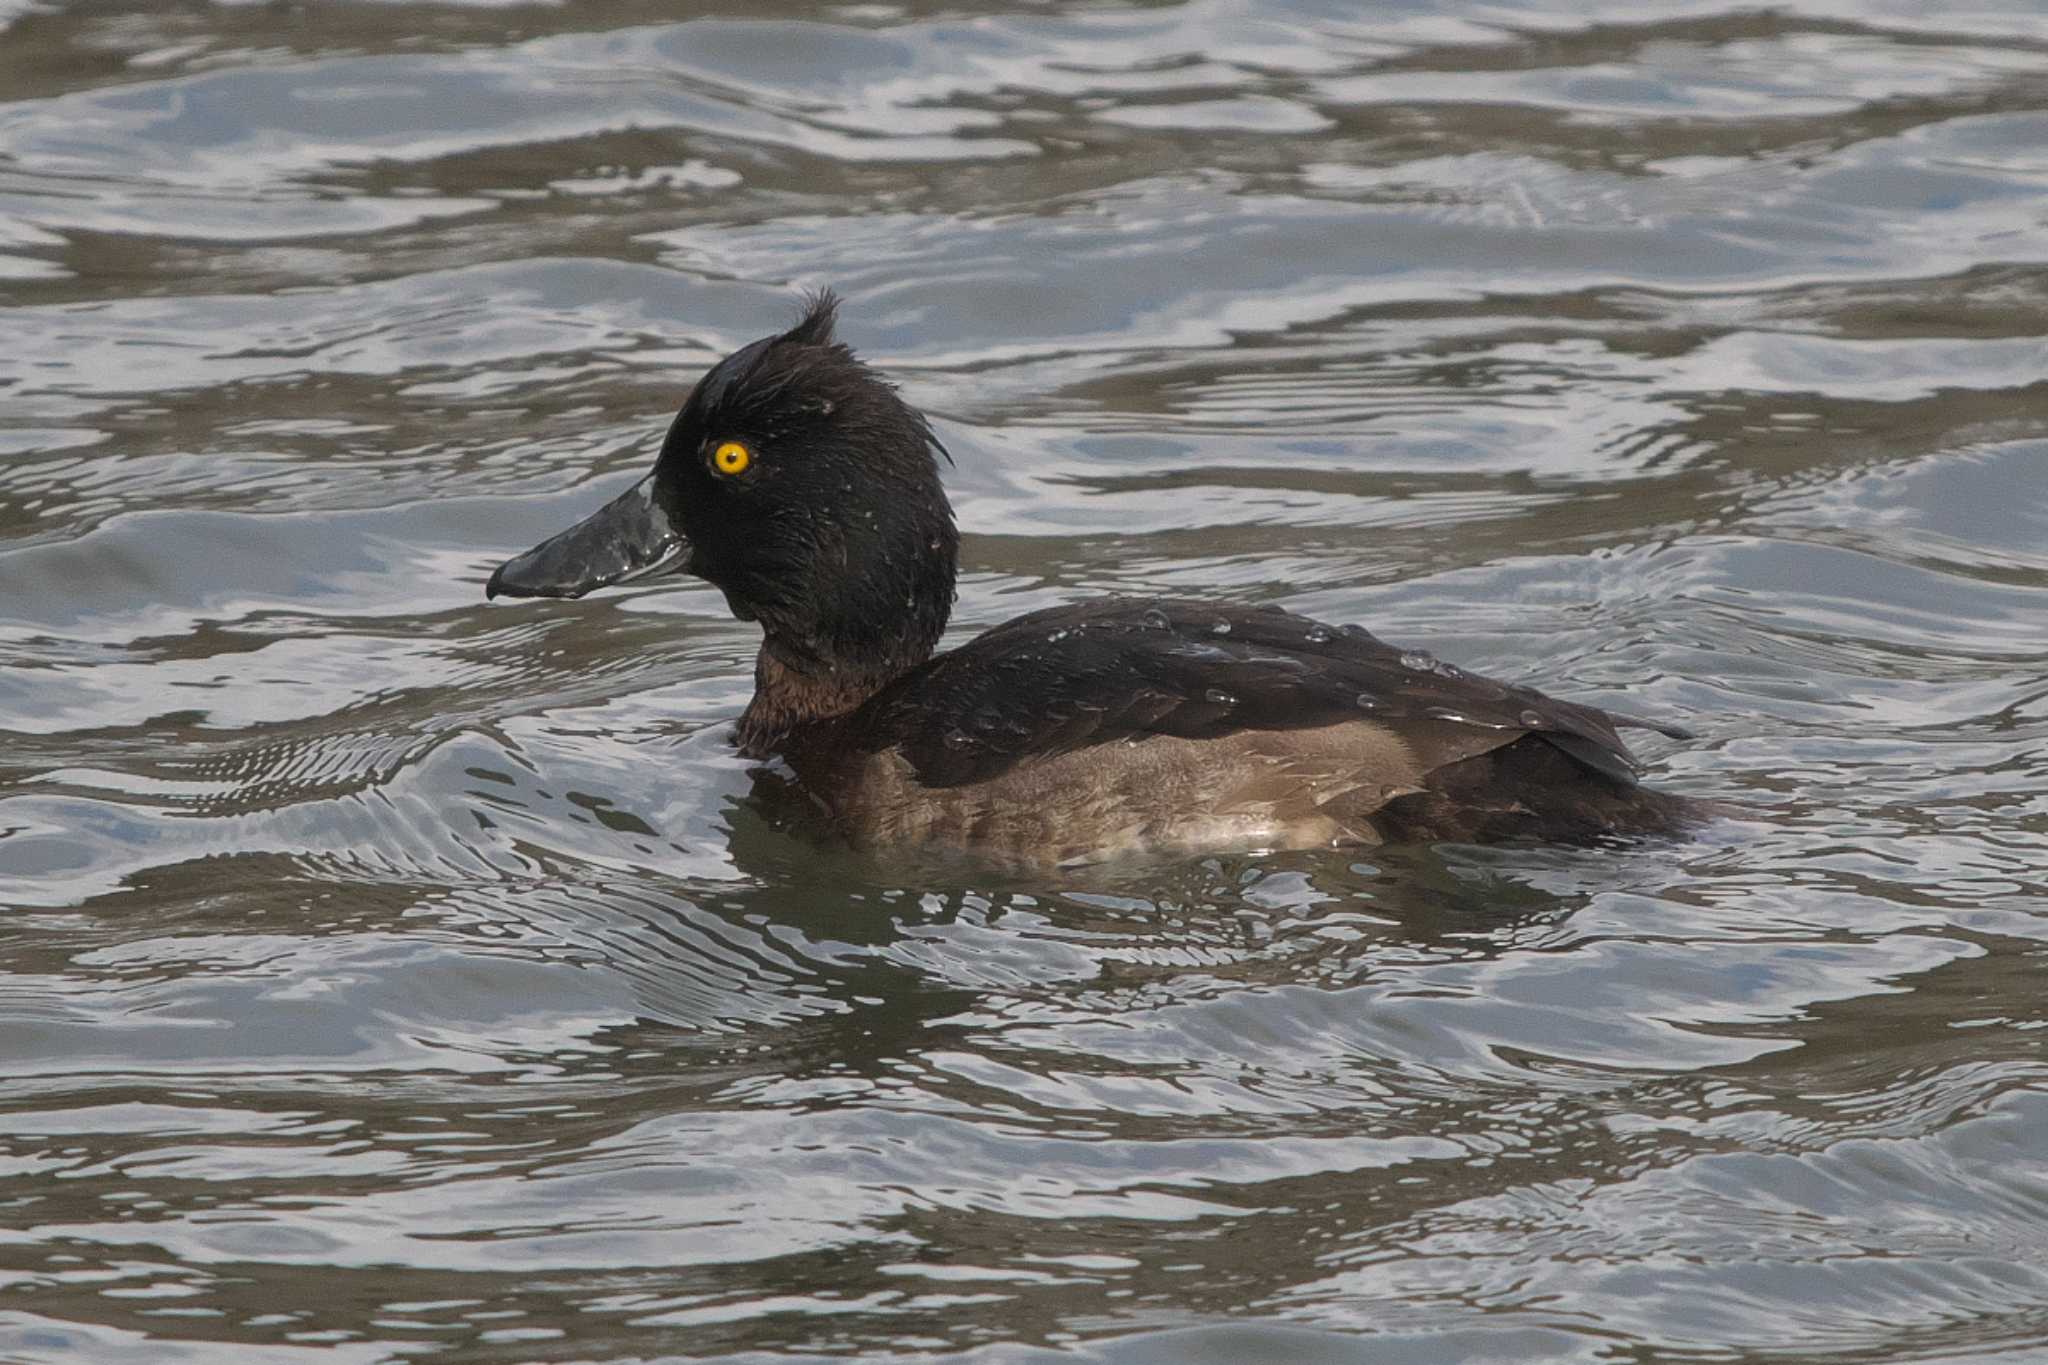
(388, 974)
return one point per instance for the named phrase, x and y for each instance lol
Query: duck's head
(805, 488)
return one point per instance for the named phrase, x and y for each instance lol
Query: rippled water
(387, 973)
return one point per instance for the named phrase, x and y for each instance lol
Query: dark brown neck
(787, 697)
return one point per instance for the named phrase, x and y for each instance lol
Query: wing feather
(1122, 669)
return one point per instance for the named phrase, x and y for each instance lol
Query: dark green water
(385, 974)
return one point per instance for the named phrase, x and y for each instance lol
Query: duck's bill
(629, 537)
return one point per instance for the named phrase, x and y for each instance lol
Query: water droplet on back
(1532, 718)
(1368, 702)
(1319, 635)
(1156, 619)
(1220, 697)
(957, 739)
(1220, 628)
(1417, 660)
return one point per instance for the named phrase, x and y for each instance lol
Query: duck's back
(1126, 724)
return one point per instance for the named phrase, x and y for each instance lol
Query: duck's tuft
(820, 317)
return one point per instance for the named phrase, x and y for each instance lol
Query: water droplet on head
(1220, 628)
(1417, 660)
(1220, 697)
(1368, 702)
(1445, 713)
(957, 739)
(1532, 718)
(1056, 637)
(1156, 619)
(1319, 635)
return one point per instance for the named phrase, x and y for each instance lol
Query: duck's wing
(1118, 669)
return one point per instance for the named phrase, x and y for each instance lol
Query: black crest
(820, 317)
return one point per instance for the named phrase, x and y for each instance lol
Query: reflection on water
(387, 973)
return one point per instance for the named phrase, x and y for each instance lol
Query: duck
(797, 481)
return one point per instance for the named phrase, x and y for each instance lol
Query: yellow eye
(731, 458)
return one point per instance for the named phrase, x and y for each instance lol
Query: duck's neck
(792, 692)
